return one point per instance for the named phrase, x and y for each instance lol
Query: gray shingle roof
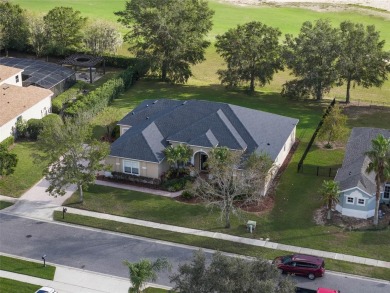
(205, 124)
(352, 173)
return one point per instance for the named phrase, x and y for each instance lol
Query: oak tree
(312, 57)
(170, 34)
(252, 54)
(74, 156)
(362, 58)
(226, 274)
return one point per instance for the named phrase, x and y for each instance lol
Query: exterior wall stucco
(285, 149)
(37, 111)
(147, 169)
(12, 80)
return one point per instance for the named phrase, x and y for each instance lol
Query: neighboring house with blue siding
(357, 196)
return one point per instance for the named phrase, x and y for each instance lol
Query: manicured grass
(24, 267)
(27, 172)
(5, 204)
(215, 244)
(12, 286)
(290, 222)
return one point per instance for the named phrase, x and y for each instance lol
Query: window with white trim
(361, 201)
(131, 167)
(386, 193)
(350, 200)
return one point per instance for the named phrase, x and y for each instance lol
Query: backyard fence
(328, 171)
(300, 164)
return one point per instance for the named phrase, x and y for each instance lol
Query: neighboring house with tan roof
(357, 196)
(17, 102)
(201, 125)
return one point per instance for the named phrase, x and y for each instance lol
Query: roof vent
(147, 117)
(349, 173)
(268, 143)
(155, 101)
(185, 102)
(147, 105)
(5, 87)
(132, 113)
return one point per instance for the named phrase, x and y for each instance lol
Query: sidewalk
(36, 203)
(70, 280)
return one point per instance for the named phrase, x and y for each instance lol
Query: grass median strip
(12, 286)
(215, 244)
(5, 204)
(24, 267)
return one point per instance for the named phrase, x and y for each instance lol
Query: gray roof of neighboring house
(352, 173)
(199, 123)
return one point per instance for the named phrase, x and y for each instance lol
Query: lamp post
(44, 260)
(63, 212)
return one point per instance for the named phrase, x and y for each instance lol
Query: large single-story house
(155, 124)
(357, 196)
(18, 102)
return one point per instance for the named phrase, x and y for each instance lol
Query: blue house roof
(199, 123)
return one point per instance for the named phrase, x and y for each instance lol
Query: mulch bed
(350, 223)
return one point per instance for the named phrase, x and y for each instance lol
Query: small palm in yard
(143, 271)
(330, 195)
(380, 164)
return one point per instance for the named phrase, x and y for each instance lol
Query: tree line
(174, 37)
(59, 31)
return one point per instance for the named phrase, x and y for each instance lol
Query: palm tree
(380, 164)
(177, 156)
(330, 195)
(145, 270)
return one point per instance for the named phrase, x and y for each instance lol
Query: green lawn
(156, 290)
(287, 19)
(24, 267)
(5, 204)
(12, 286)
(27, 173)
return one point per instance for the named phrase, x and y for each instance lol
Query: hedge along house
(357, 196)
(42, 74)
(18, 102)
(153, 125)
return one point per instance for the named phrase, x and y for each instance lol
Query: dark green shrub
(34, 127)
(21, 128)
(6, 143)
(51, 118)
(187, 194)
(177, 184)
(116, 132)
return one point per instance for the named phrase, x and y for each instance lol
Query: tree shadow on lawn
(309, 112)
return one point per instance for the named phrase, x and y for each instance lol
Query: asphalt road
(104, 252)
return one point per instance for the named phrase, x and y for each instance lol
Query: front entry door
(203, 160)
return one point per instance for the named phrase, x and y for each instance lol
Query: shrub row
(97, 100)
(6, 143)
(67, 96)
(133, 178)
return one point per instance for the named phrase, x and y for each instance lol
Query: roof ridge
(232, 129)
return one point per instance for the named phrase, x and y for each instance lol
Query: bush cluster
(6, 143)
(101, 97)
(133, 178)
(177, 184)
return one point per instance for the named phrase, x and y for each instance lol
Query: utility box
(251, 225)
